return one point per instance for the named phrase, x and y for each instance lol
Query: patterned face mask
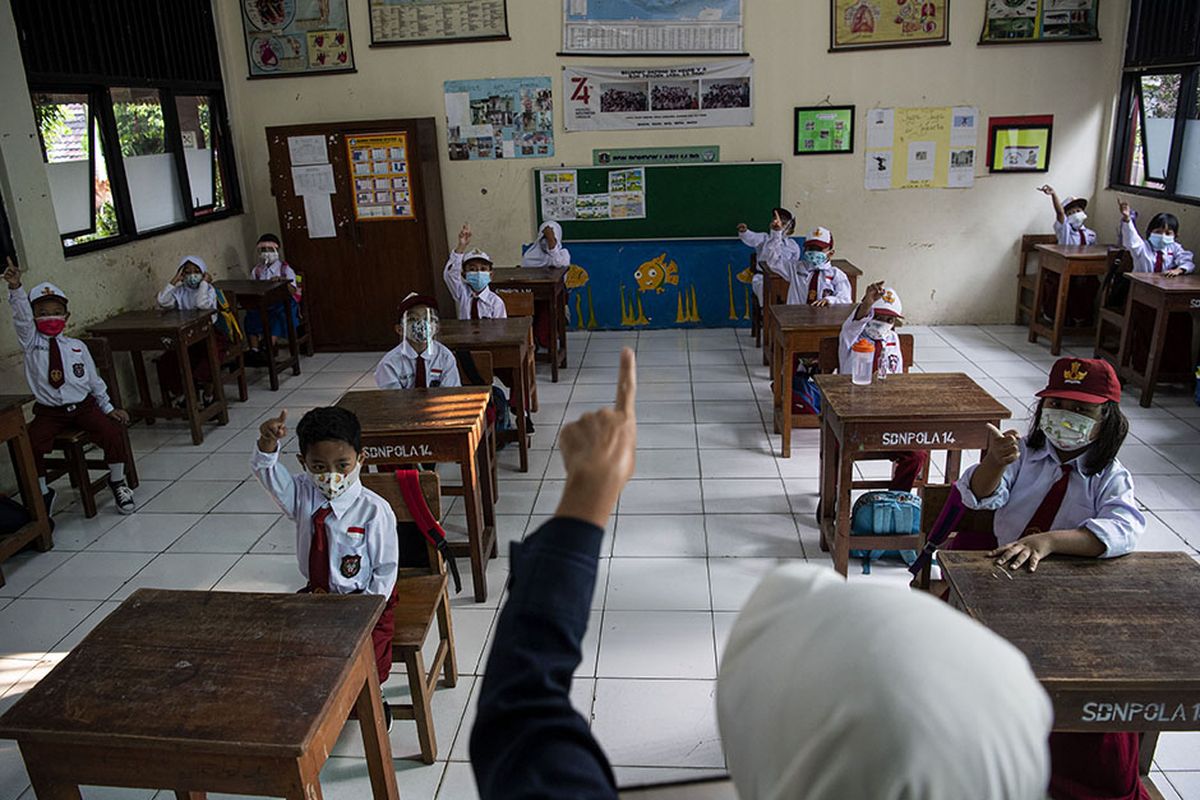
(816, 258)
(1067, 430)
(420, 327)
(877, 329)
(268, 256)
(333, 484)
(193, 281)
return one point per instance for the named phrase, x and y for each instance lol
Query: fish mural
(577, 278)
(653, 275)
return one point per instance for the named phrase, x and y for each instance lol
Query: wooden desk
(914, 411)
(1164, 296)
(549, 287)
(1128, 663)
(508, 342)
(201, 692)
(14, 432)
(140, 331)
(1067, 261)
(798, 331)
(852, 272)
(443, 425)
(258, 297)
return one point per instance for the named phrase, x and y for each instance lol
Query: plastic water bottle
(862, 356)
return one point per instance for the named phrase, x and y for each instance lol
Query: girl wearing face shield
(419, 361)
(269, 265)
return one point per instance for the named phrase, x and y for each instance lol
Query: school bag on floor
(806, 397)
(885, 513)
(227, 321)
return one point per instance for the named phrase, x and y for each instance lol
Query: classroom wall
(950, 253)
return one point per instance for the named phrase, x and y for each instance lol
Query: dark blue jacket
(528, 741)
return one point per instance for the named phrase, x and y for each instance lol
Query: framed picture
(822, 129)
(401, 22)
(867, 24)
(1032, 21)
(1019, 144)
(281, 43)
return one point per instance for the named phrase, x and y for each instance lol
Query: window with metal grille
(131, 116)
(1157, 139)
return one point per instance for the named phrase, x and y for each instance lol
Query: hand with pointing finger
(12, 275)
(271, 431)
(1003, 447)
(598, 451)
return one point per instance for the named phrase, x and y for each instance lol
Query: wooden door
(354, 281)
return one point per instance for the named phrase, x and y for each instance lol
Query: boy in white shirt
(816, 281)
(774, 251)
(467, 276)
(419, 361)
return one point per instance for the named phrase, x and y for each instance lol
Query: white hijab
(197, 260)
(537, 255)
(836, 690)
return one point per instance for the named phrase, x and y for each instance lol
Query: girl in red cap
(1061, 489)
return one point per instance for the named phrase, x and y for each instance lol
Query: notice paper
(315, 179)
(307, 150)
(318, 216)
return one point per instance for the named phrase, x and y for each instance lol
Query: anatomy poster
(287, 38)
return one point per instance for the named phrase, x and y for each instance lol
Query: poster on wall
(499, 118)
(399, 22)
(823, 129)
(652, 27)
(645, 98)
(1019, 144)
(921, 148)
(289, 38)
(625, 197)
(684, 154)
(864, 24)
(382, 182)
(1026, 21)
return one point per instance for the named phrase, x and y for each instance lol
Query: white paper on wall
(307, 150)
(318, 216)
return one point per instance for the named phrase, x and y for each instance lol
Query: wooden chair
(304, 339)
(756, 312)
(1114, 295)
(233, 368)
(422, 597)
(487, 374)
(79, 454)
(775, 290)
(519, 303)
(1026, 280)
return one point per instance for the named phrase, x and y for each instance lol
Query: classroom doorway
(361, 219)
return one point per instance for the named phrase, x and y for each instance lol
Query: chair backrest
(105, 366)
(517, 303)
(828, 359)
(775, 290)
(481, 360)
(384, 484)
(1029, 244)
(933, 499)
(1114, 290)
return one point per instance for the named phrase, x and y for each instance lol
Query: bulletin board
(921, 148)
(382, 180)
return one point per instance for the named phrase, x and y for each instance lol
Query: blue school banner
(644, 285)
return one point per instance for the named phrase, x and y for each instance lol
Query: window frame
(100, 109)
(1187, 107)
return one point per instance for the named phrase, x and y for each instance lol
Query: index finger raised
(627, 384)
(282, 416)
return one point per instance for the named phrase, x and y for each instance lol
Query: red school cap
(1088, 380)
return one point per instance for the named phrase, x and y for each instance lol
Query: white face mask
(1067, 430)
(1075, 219)
(333, 484)
(877, 329)
(268, 257)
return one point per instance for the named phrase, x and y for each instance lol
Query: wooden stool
(519, 303)
(422, 597)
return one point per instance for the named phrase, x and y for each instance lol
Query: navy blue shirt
(528, 740)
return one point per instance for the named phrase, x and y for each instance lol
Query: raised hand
(776, 222)
(1046, 189)
(1004, 447)
(271, 431)
(12, 275)
(464, 237)
(1123, 207)
(551, 239)
(741, 228)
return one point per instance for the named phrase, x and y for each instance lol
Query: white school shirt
(833, 285)
(1145, 256)
(274, 271)
(364, 551)
(1068, 235)
(80, 377)
(1103, 503)
(203, 296)
(538, 256)
(491, 305)
(778, 252)
(853, 330)
(397, 369)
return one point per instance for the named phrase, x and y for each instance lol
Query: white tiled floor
(710, 511)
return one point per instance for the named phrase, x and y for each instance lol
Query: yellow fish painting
(651, 275)
(576, 276)
(746, 275)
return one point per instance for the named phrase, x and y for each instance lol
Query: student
(1070, 230)
(875, 319)
(420, 361)
(69, 391)
(191, 288)
(816, 281)
(467, 277)
(1062, 490)
(546, 251)
(345, 533)
(270, 266)
(1069, 217)
(774, 251)
(978, 730)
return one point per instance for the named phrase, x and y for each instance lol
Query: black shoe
(48, 501)
(255, 358)
(123, 497)
(529, 424)
(387, 714)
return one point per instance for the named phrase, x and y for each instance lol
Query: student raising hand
(873, 292)
(464, 238)
(598, 451)
(776, 222)
(1123, 207)
(11, 274)
(1046, 189)
(741, 228)
(271, 431)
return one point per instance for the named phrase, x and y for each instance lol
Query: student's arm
(1030, 550)
(1059, 215)
(751, 238)
(841, 288)
(97, 388)
(208, 297)
(528, 741)
(384, 551)
(450, 376)
(1184, 261)
(386, 376)
(987, 484)
(560, 256)
(22, 311)
(852, 331)
(452, 275)
(264, 463)
(166, 298)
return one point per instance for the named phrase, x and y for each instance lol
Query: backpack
(885, 513)
(227, 321)
(806, 397)
(1115, 287)
(498, 406)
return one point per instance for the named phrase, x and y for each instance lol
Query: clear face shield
(420, 327)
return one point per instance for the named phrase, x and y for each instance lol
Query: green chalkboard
(683, 201)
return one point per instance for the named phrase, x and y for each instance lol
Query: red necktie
(1158, 261)
(1043, 518)
(474, 308)
(1082, 238)
(56, 366)
(878, 356)
(318, 552)
(419, 381)
(814, 285)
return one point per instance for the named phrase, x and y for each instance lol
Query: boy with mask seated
(467, 277)
(419, 361)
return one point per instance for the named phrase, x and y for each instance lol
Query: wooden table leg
(1125, 349)
(786, 356)
(143, 384)
(531, 373)
(1060, 311)
(827, 487)
(191, 402)
(520, 381)
(1037, 302)
(268, 345)
(474, 510)
(378, 747)
(21, 453)
(1158, 343)
(182, 795)
(47, 785)
(214, 368)
(560, 291)
(841, 541)
(553, 310)
(953, 465)
(488, 495)
(293, 338)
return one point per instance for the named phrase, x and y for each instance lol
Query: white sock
(116, 472)
(42, 484)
